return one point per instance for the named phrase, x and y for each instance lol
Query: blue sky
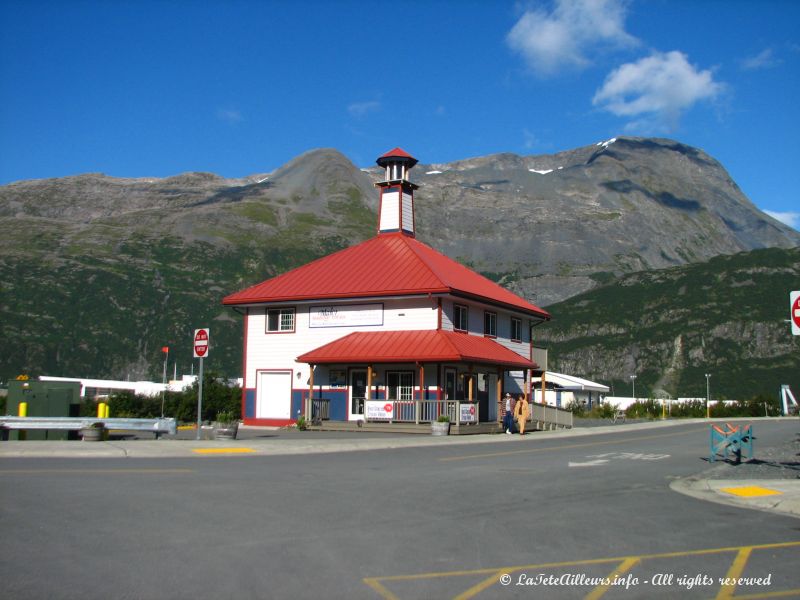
(152, 89)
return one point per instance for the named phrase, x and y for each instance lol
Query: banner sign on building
(345, 315)
(468, 413)
(379, 410)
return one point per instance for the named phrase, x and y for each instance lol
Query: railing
(549, 417)
(426, 411)
(320, 409)
(420, 411)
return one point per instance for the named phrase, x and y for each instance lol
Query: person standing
(521, 413)
(508, 417)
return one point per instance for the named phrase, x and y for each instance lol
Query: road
(551, 517)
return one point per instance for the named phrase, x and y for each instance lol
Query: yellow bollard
(101, 411)
(106, 409)
(22, 411)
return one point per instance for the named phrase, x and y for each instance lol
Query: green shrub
(644, 409)
(218, 398)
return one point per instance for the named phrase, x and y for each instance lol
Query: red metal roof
(415, 346)
(396, 153)
(390, 264)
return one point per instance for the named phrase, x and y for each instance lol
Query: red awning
(415, 346)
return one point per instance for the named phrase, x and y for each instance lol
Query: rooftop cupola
(396, 212)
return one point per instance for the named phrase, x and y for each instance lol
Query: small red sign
(200, 343)
(795, 313)
(387, 407)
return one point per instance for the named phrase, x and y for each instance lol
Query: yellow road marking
(625, 566)
(223, 450)
(781, 594)
(479, 587)
(751, 491)
(378, 587)
(739, 563)
(566, 447)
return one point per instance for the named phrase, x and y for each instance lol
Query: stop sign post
(201, 339)
(794, 311)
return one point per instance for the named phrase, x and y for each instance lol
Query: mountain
(670, 327)
(551, 226)
(98, 273)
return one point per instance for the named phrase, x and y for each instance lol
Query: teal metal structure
(731, 439)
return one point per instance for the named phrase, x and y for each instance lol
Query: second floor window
(280, 320)
(460, 321)
(490, 324)
(516, 329)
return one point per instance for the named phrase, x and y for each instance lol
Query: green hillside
(726, 317)
(103, 301)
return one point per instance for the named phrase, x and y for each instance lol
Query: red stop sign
(796, 310)
(200, 343)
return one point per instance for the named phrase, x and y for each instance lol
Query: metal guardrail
(157, 426)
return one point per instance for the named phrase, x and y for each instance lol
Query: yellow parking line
(378, 587)
(223, 450)
(479, 587)
(729, 583)
(625, 566)
(780, 594)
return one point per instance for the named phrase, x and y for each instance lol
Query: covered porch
(408, 377)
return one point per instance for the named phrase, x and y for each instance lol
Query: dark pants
(508, 422)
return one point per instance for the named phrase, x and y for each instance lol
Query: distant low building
(562, 390)
(91, 388)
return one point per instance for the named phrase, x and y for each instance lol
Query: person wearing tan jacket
(521, 413)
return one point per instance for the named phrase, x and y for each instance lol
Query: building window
(490, 324)
(400, 385)
(516, 329)
(280, 320)
(460, 317)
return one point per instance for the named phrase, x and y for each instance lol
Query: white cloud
(656, 90)
(361, 109)
(530, 139)
(231, 115)
(763, 60)
(792, 219)
(564, 37)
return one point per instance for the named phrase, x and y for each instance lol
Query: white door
(274, 395)
(358, 393)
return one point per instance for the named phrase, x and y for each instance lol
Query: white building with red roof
(388, 329)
